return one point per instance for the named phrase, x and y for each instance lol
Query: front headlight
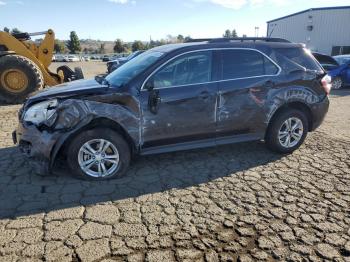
(42, 113)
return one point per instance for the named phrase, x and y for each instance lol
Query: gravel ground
(237, 202)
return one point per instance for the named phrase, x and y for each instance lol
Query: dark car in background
(105, 58)
(177, 97)
(337, 67)
(113, 65)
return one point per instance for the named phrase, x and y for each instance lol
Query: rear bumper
(36, 146)
(319, 112)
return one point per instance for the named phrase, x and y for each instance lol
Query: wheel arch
(61, 146)
(293, 105)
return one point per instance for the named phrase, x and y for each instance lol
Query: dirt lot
(237, 201)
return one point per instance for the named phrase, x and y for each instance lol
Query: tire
(31, 76)
(117, 141)
(278, 124)
(78, 73)
(337, 83)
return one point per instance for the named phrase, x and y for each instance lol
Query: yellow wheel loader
(24, 66)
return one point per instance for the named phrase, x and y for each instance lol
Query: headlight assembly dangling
(42, 113)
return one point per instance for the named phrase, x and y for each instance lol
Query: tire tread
(39, 79)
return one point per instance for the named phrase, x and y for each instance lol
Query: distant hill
(91, 44)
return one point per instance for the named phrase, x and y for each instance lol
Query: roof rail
(241, 39)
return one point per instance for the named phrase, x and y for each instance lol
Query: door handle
(204, 95)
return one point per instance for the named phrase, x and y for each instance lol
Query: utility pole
(257, 31)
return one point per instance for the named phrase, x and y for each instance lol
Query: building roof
(308, 10)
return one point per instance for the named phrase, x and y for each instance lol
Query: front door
(183, 99)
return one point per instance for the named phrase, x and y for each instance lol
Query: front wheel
(98, 154)
(287, 132)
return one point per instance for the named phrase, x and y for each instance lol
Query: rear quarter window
(300, 56)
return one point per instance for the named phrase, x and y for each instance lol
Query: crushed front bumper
(36, 145)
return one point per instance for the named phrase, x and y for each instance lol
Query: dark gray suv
(175, 97)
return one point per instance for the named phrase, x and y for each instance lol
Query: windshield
(132, 68)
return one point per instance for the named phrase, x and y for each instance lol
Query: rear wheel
(19, 77)
(287, 131)
(98, 154)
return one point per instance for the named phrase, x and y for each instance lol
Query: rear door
(247, 76)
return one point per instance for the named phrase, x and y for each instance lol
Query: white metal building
(325, 30)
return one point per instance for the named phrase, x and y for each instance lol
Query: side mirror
(149, 84)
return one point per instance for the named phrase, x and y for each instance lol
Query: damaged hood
(78, 87)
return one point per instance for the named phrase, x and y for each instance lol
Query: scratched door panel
(185, 114)
(241, 106)
(246, 79)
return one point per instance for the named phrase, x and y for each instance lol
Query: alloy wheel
(98, 158)
(291, 132)
(337, 83)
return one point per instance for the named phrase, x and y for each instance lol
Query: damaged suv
(176, 97)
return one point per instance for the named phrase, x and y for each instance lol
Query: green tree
(180, 38)
(138, 45)
(59, 46)
(119, 46)
(234, 33)
(74, 43)
(188, 38)
(6, 29)
(227, 34)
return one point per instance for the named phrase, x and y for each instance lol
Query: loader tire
(19, 77)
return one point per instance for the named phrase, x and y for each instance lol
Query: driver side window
(192, 68)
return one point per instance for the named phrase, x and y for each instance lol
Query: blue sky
(139, 19)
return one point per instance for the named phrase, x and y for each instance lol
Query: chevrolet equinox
(202, 93)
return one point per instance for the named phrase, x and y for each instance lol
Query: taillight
(327, 84)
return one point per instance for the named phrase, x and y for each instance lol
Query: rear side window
(299, 56)
(239, 63)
